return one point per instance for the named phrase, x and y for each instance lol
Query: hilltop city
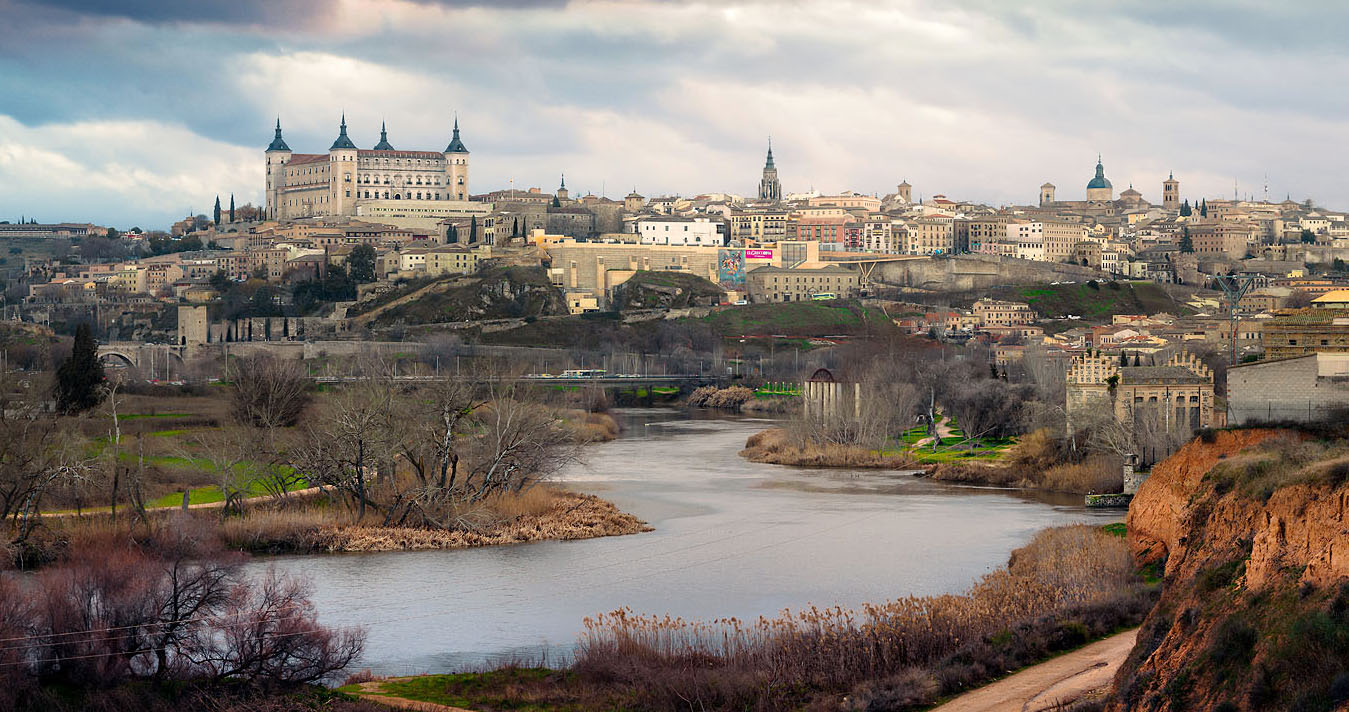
(898, 387)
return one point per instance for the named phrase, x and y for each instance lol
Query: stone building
(1178, 395)
(1310, 388)
(991, 312)
(302, 185)
(1304, 332)
(777, 284)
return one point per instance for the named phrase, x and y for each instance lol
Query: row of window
(399, 196)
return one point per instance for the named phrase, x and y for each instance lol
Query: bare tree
(348, 441)
(520, 445)
(37, 455)
(270, 392)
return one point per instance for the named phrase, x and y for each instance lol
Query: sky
(133, 113)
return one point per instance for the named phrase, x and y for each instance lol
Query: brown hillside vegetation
(1251, 528)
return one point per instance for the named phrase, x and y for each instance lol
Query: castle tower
(1099, 190)
(634, 202)
(1171, 193)
(278, 155)
(456, 163)
(769, 187)
(1046, 195)
(342, 174)
(905, 191)
(562, 193)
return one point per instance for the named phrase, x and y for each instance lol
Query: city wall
(971, 272)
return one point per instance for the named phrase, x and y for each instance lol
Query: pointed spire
(564, 181)
(456, 146)
(342, 141)
(383, 144)
(768, 164)
(277, 143)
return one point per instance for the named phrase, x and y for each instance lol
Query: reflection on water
(732, 538)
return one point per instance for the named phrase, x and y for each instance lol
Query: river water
(732, 538)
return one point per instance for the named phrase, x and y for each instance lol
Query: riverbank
(550, 514)
(775, 447)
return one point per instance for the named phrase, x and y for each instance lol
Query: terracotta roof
(307, 158)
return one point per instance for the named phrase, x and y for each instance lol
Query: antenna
(1234, 287)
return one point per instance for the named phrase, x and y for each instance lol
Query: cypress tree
(1203, 209)
(1185, 209)
(217, 210)
(231, 207)
(473, 230)
(1186, 243)
(79, 379)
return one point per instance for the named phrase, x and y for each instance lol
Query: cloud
(118, 172)
(979, 99)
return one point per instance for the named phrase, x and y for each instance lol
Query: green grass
(139, 416)
(167, 433)
(1116, 529)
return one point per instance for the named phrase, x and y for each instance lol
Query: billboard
(758, 254)
(731, 269)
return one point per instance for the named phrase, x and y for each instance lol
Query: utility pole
(1235, 286)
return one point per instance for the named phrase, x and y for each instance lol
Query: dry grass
(713, 397)
(1098, 474)
(775, 447)
(572, 516)
(540, 513)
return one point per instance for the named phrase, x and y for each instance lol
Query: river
(732, 538)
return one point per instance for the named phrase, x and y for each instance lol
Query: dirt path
(371, 691)
(1067, 678)
(944, 431)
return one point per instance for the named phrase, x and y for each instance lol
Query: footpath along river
(732, 538)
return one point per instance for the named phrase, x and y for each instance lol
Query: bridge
(633, 380)
(154, 359)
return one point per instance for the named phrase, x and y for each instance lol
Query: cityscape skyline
(635, 95)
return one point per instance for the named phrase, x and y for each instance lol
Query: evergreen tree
(515, 227)
(1123, 359)
(473, 230)
(1136, 359)
(1203, 208)
(79, 379)
(231, 207)
(217, 210)
(361, 264)
(452, 234)
(1185, 209)
(1186, 243)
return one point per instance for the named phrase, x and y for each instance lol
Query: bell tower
(1171, 193)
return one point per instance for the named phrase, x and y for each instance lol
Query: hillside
(1250, 528)
(496, 293)
(837, 317)
(1094, 302)
(665, 290)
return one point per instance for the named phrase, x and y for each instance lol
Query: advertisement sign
(731, 269)
(758, 254)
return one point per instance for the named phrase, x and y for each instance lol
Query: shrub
(1232, 643)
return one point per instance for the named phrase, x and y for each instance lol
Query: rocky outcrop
(1255, 608)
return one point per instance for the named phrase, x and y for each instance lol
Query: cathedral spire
(769, 163)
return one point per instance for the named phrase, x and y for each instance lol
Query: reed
(1068, 585)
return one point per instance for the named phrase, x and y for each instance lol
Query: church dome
(1100, 181)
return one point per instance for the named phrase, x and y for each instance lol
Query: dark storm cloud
(246, 12)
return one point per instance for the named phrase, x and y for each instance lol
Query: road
(1066, 678)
